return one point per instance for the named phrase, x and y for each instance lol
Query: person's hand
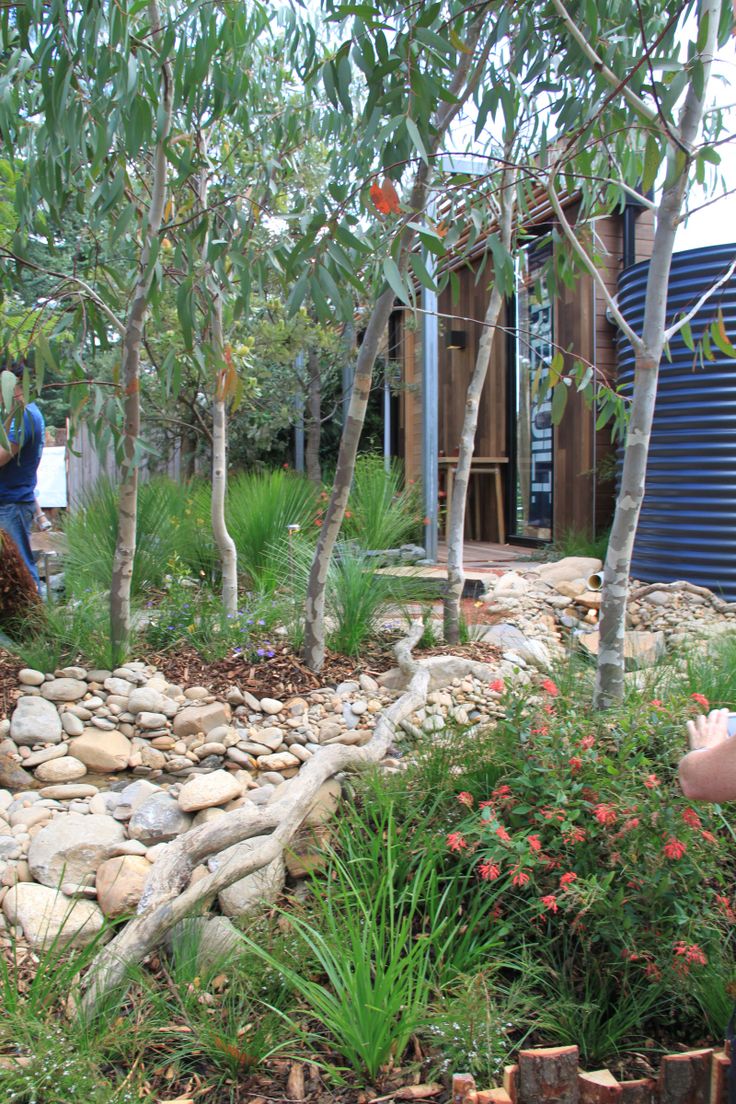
(705, 732)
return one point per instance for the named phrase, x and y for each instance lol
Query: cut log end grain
(549, 1075)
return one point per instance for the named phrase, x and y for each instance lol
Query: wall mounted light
(456, 339)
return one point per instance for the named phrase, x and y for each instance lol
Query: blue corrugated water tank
(687, 526)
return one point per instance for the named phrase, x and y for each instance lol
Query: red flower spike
(674, 849)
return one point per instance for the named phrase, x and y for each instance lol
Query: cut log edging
(551, 1075)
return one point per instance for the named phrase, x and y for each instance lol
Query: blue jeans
(16, 519)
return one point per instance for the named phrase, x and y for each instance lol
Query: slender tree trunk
(314, 419)
(609, 688)
(187, 453)
(223, 540)
(224, 381)
(124, 555)
(456, 526)
(314, 627)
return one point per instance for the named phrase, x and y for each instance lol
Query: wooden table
(479, 465)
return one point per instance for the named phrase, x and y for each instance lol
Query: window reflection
(533, 477)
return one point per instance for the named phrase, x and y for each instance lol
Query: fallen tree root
(688, 588)
(168, 896)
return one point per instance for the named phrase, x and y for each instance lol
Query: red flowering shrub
(593, 847)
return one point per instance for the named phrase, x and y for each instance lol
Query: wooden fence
(551, 1075)
(85, 466)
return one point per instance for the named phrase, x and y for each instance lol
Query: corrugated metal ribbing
(687, 527)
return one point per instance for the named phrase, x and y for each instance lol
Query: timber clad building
(531, 481)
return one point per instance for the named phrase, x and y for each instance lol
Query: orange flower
(701, 700)
(496, 686)
(550, 902)
(651, 782)
(567, 879)
(465, 798)
(534, 842)
(576, 763)
(550, 687)
(489, 871)
(520, 878)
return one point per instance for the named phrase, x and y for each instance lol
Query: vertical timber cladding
(464, 313)
(574, 438)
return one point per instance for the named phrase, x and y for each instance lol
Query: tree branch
(649, 113)
(682, 322)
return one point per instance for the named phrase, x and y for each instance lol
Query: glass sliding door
(532, 432)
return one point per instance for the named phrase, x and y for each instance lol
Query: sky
(716, 224)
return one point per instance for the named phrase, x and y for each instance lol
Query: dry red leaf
(379, 202)
(390, 196)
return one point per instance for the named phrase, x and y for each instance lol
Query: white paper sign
(51, 479)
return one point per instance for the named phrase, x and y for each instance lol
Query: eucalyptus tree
(418, 67)
(104, 103)
(641, 108)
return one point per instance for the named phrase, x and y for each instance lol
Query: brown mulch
(286, 674)
(283, 675)
(10, 665)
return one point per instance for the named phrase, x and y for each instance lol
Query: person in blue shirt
(18, 468)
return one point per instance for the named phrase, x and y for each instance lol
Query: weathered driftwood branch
(168, 896)
(688, 588)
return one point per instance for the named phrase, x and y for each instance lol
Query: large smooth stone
(102, 751)
(158, 819)
(254, 890)
(120, 883)
(64, 689)
(66, 769)
(200, 718)
(145, 699)
(35, 721)
(47, 916)
(569, 568)
(205, 790)
(72, 847)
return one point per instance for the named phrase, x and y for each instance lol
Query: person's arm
(5, 455)
(708, 771)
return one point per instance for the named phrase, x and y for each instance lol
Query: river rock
(205, 790)
(102, 751)
(570, 567)
(211, 940)
(28, 677)
(271, 706)
(64, 689)
(72, 725)
(158, 819)
(69, 791)
(66, 769)
(12, 775)
(48, 917)
(72, 847)
(255, 890)
(146, 699)
(200, 718)
(35, 721)
(120, 882)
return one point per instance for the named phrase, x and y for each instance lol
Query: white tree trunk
(124, 555)
(456, 522)
(214, 342)
(223, 540)
(609, 688)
